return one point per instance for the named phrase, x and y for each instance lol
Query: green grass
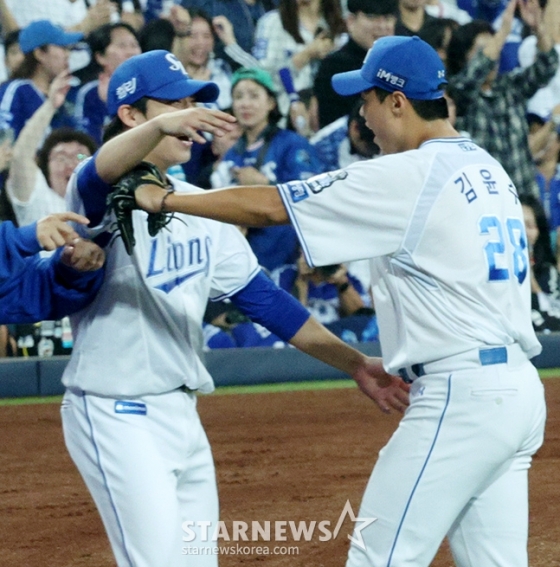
(258, 389)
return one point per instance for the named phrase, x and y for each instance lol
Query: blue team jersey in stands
(21, 99)
(90, 112)
(289, 156)
(322, 299)
(551, 198)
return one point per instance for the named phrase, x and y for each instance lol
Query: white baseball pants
(457, 466)
(148, 465)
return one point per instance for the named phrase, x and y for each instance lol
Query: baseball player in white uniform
(442, 224)
(129, 412)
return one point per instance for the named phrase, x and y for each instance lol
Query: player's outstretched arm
(387, 391)
(255, 205)
(125, 151)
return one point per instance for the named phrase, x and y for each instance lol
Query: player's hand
(83, 255)
(187, 123)
(387, 391)
(54, 231)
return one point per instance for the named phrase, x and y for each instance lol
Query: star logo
(357, 537)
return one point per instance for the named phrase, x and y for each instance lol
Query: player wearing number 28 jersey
(442, 225)
(449, 242)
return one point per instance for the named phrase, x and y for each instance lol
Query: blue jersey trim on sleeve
(285, 194)
(265, 303)
(233, 292)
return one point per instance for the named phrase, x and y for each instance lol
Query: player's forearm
(315, 340)
(256, 205)
(120, 154)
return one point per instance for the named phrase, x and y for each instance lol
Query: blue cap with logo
(155, 74)
(42, 32)
(397, 63)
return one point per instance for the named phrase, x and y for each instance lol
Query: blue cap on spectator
(155, 74)
(397, 63)
(43, 32)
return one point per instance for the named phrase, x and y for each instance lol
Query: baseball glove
(122, 201)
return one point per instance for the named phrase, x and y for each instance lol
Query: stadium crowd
(272, 60)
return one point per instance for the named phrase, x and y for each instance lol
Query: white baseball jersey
(154, 302)
(444, 230)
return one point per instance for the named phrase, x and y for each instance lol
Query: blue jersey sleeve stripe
(285, 196)
(268, 305)
(233, 292)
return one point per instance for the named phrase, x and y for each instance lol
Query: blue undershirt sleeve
(93, 191)
(265, 303)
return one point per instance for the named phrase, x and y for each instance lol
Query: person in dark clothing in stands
(367, 21)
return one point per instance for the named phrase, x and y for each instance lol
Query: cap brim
(203, 91)
(350, 83)
(70, 38)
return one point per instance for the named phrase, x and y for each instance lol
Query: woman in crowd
(196, 53)
(110, 45)
(36, 185)
(297, 36)
(267, 154)
(46, 49)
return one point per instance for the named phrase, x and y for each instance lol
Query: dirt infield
(282, 456)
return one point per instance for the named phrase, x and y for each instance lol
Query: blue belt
(486, 357)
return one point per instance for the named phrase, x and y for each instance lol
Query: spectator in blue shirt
(46, 51)
(267, 154)
(345, 141)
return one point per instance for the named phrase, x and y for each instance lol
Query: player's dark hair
(62, 136)
(116, 126)
(461, 42)
(426, 109)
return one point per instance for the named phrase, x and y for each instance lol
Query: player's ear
(398, 102)
(130, 116)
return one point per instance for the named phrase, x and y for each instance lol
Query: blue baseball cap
(155, 74)
(42, 32)
(397, 63)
